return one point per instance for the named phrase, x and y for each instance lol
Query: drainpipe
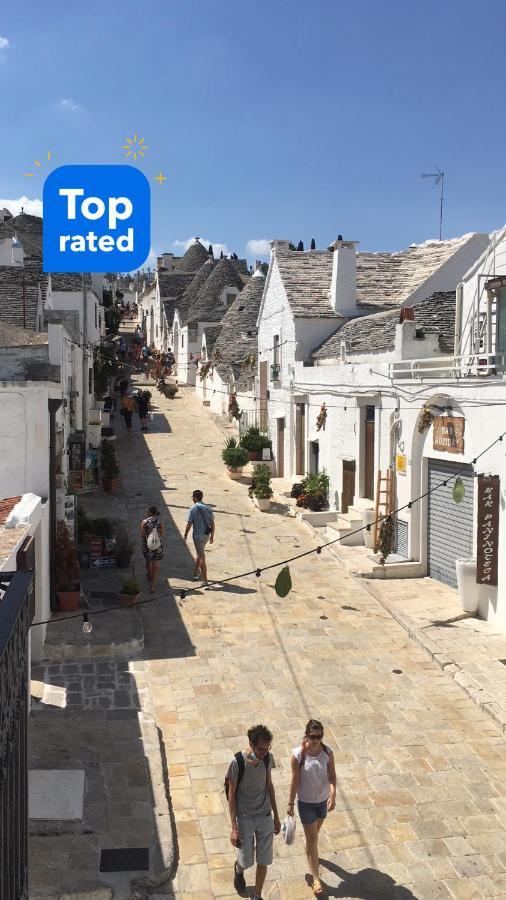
(53, 407)
(85, 361)
(459, 296)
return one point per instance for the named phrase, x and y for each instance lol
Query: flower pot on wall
(368, 517)
(254, 455)
(128, 599)
(69, 601)
(110, 485)
(466, 584)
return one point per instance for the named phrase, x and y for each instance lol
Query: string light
(284, 562)
(87, 626)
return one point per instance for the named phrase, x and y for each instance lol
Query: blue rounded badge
(96, 219)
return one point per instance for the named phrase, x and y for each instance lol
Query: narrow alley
(421, 800)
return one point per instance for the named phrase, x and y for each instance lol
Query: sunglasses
(314, 737)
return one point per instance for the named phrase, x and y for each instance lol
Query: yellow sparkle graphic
(160, 178)
(135, 147)
(39, 165)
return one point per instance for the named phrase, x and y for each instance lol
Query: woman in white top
(314, 783)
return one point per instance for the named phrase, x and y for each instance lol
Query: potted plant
(254, 442)
(261, 489)
(123, 547)
(129, 592)
(110, 467)
(234, 457)
(68, 587)
(312, 493)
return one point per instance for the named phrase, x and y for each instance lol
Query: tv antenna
(439, 178)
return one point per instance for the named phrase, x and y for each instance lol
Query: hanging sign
(401, 463)
(488, 529)
(448, 434)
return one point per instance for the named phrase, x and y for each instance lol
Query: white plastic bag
(153, 540)
(288, 829)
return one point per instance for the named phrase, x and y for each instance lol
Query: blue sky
(270, 119)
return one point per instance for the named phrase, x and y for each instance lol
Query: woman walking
(143, 403)
(152, 548)
(314, 784)
(127, 409)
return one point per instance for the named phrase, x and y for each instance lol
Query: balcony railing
(275, 371)
(475, 365)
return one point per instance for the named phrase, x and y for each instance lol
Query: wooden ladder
(384, 500)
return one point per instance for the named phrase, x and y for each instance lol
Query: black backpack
(242, 767)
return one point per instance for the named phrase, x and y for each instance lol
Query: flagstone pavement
(421, 793)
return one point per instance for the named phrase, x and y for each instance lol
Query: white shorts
(256, 832)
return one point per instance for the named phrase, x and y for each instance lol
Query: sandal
(318, 889)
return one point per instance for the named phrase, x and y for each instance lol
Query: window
(229, 298)
(90, 381)
(182, 341)
(95, 315)
(276, 347)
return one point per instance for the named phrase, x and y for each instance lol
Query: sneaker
(239, 881)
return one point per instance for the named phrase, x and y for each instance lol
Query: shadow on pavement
(368, 884)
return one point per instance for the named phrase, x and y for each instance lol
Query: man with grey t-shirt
(251, 802)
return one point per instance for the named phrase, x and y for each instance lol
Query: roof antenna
(439, 178)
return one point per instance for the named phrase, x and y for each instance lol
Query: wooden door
(280, 449)
(300, 439)
(369, 453)
(349, 469)
(263, 396)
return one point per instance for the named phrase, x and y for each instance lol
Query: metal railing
(470, 365)
(15, 593)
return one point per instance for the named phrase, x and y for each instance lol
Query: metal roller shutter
(450, 524)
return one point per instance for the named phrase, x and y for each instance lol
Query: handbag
(288, 830)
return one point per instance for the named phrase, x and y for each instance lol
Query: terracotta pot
(128, 599)
(110, 485)
(69, 601)
(254, 455)
(234, 474)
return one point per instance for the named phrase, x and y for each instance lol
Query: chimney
(168, 261)
(279, 245)
(343, 289)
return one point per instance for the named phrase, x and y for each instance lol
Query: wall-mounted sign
(487, 543)
(401, 463)
(102, 562)
(448, 434)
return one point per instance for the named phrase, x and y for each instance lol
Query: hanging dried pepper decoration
(233, 407)
(321, 418)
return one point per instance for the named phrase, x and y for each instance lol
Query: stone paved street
(421, 807)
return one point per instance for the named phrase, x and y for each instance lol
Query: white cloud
(4, 43)
(182, 246)
(258, 247)
(69, 106)
(32, 207)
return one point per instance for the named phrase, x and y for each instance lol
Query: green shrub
(130, 587)
(233, 455)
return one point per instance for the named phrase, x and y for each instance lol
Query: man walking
(251, 802)
(201, 519)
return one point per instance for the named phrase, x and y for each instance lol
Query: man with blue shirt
(201, 520)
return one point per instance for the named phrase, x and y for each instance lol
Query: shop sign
(487, 543)
(401, 463)
(101, 562)
(448, 434)
(96, 547)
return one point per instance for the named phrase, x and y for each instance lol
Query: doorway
(264, 417)
(348, 495)
(314, 457)
(280, 449)
(300, 438)
(369, 452)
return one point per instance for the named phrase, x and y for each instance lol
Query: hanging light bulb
(87, 626)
